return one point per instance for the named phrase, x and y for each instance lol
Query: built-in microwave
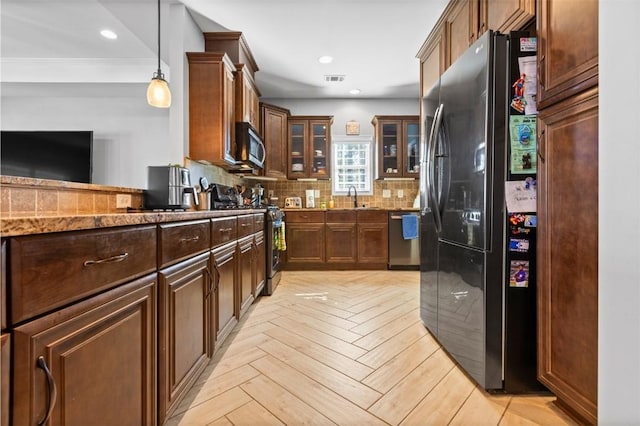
(249, 146)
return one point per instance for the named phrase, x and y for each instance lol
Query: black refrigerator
(477, 265)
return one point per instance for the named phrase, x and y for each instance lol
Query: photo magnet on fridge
(519, 276)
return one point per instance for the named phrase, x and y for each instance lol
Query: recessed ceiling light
(109, 34)
(325, 59)
(354, 91)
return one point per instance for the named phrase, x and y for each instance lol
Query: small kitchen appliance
(225, 197)
(169, 188)
(293, 202)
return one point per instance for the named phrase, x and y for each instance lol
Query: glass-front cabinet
(309, 147)
(398, 144)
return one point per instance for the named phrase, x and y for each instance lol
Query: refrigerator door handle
(433, 197)
(425, 164)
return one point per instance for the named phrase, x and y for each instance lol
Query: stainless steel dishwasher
(403, 254)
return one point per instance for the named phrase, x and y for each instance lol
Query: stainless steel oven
(274, 241)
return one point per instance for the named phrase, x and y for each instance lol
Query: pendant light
(158, 93)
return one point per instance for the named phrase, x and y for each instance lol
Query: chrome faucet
(355, 196)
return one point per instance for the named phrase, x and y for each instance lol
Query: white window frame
(338, 187)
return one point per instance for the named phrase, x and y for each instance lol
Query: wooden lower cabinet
(373, 238)
(246, 254)
(184, 329)
(568, 253)
(260, 265)
(224, 260)
(5, 377)
(341, 242)
(97, 358)
(350, 239)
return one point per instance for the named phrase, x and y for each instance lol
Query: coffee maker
(169, 188)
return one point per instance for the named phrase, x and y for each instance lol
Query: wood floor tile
(345, 348)
(282, 404)
(386, 351)
(332, 405)
(442, 403)
(335, 360)
(492, 408)
(252, 414)
(342, 384)
(385, 377)
(396, 404)
(212, 409)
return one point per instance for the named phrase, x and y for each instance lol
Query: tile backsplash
(290, 188)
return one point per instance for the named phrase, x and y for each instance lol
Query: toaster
(293, 202)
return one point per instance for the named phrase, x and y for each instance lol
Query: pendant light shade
(158, 93)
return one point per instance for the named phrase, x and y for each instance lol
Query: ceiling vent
(334, 78)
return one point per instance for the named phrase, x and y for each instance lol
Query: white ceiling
(373, 42)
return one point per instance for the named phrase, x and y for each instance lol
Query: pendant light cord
(159, 71)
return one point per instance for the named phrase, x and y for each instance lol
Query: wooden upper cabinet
(458, 29)
(273, 128)
(211, 108)
(398, 141)
(508, 15)
(247, 100)
(309, 154)
(567, 48)
(234, 45)
(432, 60)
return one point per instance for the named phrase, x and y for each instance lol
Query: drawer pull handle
(53, 392)
(188, 240)
(226, 229)
(244, 225)
(112, 259)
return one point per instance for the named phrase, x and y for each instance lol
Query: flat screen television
(59, 155)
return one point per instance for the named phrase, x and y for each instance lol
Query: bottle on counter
(331, 203)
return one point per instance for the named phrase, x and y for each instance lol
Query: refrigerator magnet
(519, 276)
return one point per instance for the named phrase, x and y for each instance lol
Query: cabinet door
(411, 148)
(305, 243)
(342, 245)
(567, 48)
(246, 103)
(390, 148)
(96, 357)
(319, 152)
(245, 272)
(297, 158)
(458, 31)
(223, 262)
(432, 60)
(509, 15)
(568, 252)
(183, 319)
(373, 243)
(260, 263)
(274, 134)
(211, 108)
(5, 377)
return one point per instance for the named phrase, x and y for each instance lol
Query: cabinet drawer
(51, 270)
(304, 217)
(258, 222)
(372, 216)
(223, 230)
(245, 225)
(181, 240)
(341, 216)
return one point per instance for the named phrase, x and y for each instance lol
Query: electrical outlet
(123, 201)
(270, 193)
(316, 193)
(400, 193)
(386, 193)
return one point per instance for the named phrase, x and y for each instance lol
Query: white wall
(129, 135)
(343, 110)
(619, 226)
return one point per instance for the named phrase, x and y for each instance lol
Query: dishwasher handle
(396, 217)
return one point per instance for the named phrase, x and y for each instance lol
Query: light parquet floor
(345, 348)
